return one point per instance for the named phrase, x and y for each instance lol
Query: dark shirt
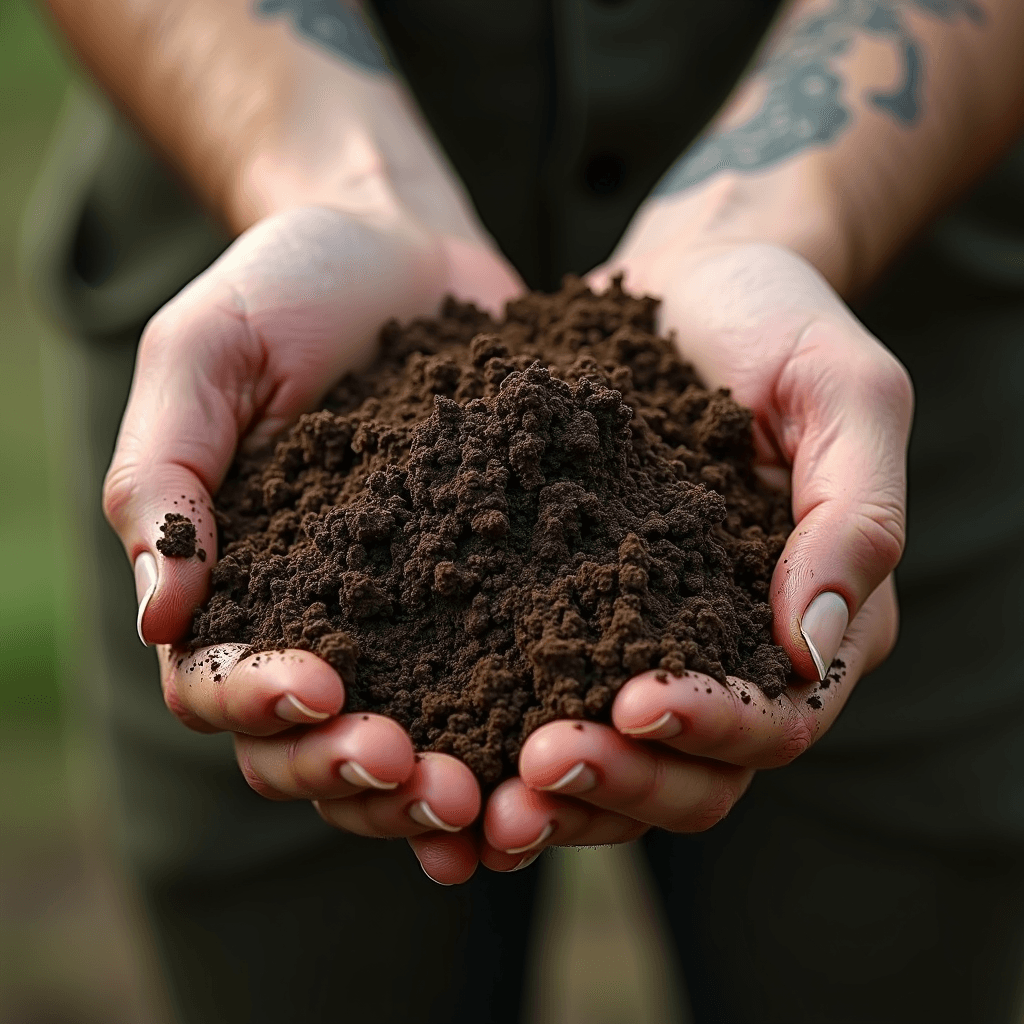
(561, 115)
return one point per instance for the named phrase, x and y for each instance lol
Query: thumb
(843, 407)
(176, 441)
(293, 303)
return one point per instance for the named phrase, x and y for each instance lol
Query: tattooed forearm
(804, 104)
(334, 24)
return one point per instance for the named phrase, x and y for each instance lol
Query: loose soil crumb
(501, 523)
(179, 537)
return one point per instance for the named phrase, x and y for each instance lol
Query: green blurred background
(70, 948)
(33, 78)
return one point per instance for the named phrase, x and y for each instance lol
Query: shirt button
(604, 173)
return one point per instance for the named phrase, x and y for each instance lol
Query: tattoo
(334, 24)
(803, 106)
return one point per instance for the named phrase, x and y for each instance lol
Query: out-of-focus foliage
(33, 78)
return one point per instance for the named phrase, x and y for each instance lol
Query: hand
(255, 340)
(832, 406)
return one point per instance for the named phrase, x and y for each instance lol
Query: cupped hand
(832, 412)
(258, 338)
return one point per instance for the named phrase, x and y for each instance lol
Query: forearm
(861, 120)
(259, 116)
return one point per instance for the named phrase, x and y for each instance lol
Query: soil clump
(179, 537)
(500, 523)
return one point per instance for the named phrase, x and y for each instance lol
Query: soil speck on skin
(502, 522)
(815, 701)
(836, 673)
(179, 536)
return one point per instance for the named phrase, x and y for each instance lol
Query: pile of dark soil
(500, 523)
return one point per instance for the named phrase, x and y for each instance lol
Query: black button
(604, 173)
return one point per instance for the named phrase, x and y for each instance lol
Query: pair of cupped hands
(296, 302)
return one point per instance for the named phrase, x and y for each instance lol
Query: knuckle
(185, 714)
(119, 487)
(894, 383)
(174, 703)
(265, 790)
(157, 335)
(254, 780)
(719, 801)
(884, 379)
(883, 534)
(306, 776)
(797, 737)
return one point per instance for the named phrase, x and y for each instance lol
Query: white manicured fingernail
(145, 585)
(579, 779)
(661, 729)
(357, 775)
(527, 861)
(291, 709)
(545, 835)
(822, 627)
(423, 814)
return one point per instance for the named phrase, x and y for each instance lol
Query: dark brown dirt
(499, 524)
(179, 537)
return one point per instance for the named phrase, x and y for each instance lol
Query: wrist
(279, 175)
(795, 208)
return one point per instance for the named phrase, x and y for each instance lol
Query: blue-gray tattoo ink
(333, 25)
(804, 105)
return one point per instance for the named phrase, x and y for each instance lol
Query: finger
(519, 823)
(846, 433)
(647, 782)
(446, 859)
(736, 723)
(256, 339)
(226, 688)
(346, 755)
(177, 438)
(441, 795)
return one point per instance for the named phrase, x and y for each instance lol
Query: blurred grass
(67, 947)
(33, 78)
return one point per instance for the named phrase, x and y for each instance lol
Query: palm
(295, 303)
(833, 407)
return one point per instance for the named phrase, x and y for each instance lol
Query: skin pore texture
(311, 146)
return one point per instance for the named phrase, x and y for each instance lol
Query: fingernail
(527, 861)
(822, 628)
(357, 775)
(545, 835)
(660, 729)
(423, 814)
(578, 779)
(145, 585)
(291, 709)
